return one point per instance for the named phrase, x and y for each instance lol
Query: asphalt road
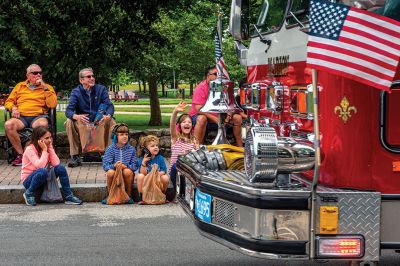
(94, 234)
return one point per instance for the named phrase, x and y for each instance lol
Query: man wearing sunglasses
(29, 103)
(89, 104)
(206, 121)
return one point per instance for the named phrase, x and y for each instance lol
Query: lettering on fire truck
(278, 65)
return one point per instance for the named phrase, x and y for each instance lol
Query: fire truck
(321, 177)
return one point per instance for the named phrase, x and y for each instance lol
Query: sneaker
(104, 201)
(130, 201)
(17, 161)
(73, 200)
(75, 161)
(29, 199)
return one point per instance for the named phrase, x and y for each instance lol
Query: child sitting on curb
(149, 152)
(34, 173)
(120, 151)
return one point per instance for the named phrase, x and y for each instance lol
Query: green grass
(135, 122)
(133, 109)
(140, 122)
(135, 87)
(163, 101)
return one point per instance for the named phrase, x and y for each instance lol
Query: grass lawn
(135, 122)
(146, 101)
(164, 110)
(135, 86)
(163, 101)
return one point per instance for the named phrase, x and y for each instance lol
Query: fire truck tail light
(340, 247)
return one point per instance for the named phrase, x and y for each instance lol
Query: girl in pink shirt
(34, 173)
(182, 137)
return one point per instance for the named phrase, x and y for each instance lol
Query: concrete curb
(12, 194)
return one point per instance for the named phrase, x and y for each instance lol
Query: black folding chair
(26, 134)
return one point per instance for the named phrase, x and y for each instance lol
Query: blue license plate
(202, 205)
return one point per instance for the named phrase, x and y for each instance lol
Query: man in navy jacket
(83, 106)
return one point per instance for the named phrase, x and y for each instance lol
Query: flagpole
(314, 74)
(219, 31)
(221, 135)
(219, 27)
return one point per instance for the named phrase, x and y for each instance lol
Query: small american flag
(219, 59)
(353, 43)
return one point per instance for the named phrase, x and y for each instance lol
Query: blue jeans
(172, 175)
(38, 179)
(210, 125)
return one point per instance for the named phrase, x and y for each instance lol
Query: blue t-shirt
(158, 159)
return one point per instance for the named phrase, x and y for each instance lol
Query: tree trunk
(191, 89)
(144, 86)
(140, 86)
(163, 89)
(155, 111)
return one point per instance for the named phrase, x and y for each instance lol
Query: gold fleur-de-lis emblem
(344, 109)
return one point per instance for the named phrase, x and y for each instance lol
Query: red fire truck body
(353, 153)
(357, 198)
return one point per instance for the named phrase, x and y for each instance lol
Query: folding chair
(111, 95)
(132, 96)
(26, 134)
(121, 95)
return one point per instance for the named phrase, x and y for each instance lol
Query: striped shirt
(180, 148)
(126, 155)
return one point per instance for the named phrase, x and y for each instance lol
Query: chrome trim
(250, 252)
(237, 180)
(267, 155)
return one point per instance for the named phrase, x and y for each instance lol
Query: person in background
(83, 106)
(29, 103)
(182, 137)
(34, 173)
(120, 151)
(149, 155)
(204, 121)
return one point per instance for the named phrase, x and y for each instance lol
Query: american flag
(219, 59)
(353, 43)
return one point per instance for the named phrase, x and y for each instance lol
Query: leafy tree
(65, 36)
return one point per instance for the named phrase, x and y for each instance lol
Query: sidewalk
(88, 182)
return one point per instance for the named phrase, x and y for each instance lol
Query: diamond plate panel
(359, 213)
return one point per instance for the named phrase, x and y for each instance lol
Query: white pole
(317, 164)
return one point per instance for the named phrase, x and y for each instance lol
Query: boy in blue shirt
(149, 153)
(120, 151)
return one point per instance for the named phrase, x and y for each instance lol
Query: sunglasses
(36, 72)
(89, 76)
(216, 73)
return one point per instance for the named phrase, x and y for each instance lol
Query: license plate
(203, 206)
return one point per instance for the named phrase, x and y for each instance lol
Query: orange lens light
(242, 96)
(302, 102)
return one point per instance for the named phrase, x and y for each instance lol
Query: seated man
(202, 120)
(82, 109)
(29, 103)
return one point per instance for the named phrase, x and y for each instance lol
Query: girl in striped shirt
(182, 137)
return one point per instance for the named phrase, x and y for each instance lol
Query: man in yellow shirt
(29, 104)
